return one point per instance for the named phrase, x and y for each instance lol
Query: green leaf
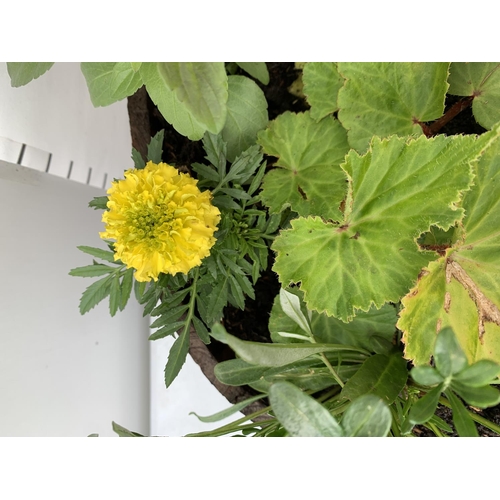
(139, 289)
(425, 407)
(216, 150)
(246, 115)
(126, 287)
(135, 66)
(229, 411)
(329, 330)
(426, 375)
(290, 304)
(322, 83)
(205, 172)
(22, 73)
(462, 289)
(96, 292)
(300, 414)
(168, 104)
(217, 301)
(481, 80)
(170, 315)
(397, 191)
(98, 252)
(367, 416)
(448, 355)
(99, 203)
(272, 354)
(238, 372)
(122, 432)
(202, 88)
(481, 397)
(310, 180)
(481, 373)
(89, 271)
(139, 163)
(389, 98)
(463, 422)
(201, 330)
(167, 330)
(155, 147)
(115, 295)
(384, 376)
(177, 357)
(257, 70)
(109, 82)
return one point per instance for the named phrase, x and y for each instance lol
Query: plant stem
(332, 370)
(449, 115)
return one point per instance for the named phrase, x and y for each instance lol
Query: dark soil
(252, 322)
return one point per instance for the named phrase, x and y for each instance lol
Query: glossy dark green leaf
(425, 407)
(300, 414)
(384, 376)
(367, 416)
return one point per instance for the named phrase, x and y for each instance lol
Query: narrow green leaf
(167, 330)
(202, 88)
(89, 271)
(22, 73)
(170, 302)
(169, 316)
(236, 292)
(238, 372)
(367, 416)
(300, 414)
(217, 301)
(425, 407)
(245, 285)
(272, 354)
(150, 304)
(229, 411)
(205, 172)
(201, 330)
(257, 70)
(155, 147)
(109, 82)
(139, 163)
(290, 305)
(139, 289)
(96, 292)
(246, 115)
(216, 150)
(481, 373)
(115, 295)
(177, 357)
(122, 432)
(384, 376)
(168, 104)
(463, 422)
(98, 252)
(99, 203)
(126, 287)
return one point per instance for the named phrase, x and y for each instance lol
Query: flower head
(161, 221)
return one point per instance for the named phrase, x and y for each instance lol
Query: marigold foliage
(160, 220)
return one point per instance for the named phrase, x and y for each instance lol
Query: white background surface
(62, 374)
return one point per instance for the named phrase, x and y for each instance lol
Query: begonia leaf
(397, 191)
(22, 73)
(462, 289)
(168, 104)
(109, 82)
(322, 83)
(390, 98)
(202, 88)
(246, 115)
(310, 180)
(481, 80)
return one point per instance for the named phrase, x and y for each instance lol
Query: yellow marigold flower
(161, 221)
